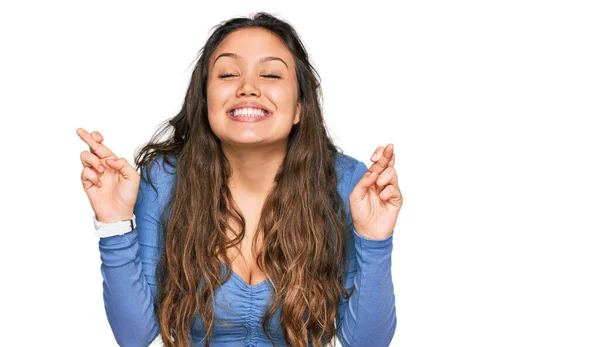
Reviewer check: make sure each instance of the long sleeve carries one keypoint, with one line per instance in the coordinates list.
(129, 266)
(368, 317)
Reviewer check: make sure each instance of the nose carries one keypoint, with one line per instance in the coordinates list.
(248, 87)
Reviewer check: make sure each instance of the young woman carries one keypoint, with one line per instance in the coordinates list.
(247, 226)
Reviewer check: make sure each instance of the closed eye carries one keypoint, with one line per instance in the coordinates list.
(225, 75)
(272, 76)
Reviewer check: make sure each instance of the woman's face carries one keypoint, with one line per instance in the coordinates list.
(252, 89)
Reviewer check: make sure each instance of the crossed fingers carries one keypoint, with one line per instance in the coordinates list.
(97, 153)
(94, 141)
(383, 166)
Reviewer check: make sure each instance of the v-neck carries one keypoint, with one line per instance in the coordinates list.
(241, 281)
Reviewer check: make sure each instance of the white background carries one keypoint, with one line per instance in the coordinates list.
(492, 107)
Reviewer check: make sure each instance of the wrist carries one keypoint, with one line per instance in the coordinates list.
(375, 236)
(115, 228)
(114, 218)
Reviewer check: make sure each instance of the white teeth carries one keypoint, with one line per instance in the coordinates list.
(249, 112)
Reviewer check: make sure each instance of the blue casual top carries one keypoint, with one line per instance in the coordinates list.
(367, 318)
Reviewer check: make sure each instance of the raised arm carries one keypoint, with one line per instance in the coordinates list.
(368, 318)
(129, 265)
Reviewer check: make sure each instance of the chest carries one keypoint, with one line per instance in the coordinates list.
(243, 255)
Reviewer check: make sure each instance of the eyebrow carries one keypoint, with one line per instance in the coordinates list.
(261, 60)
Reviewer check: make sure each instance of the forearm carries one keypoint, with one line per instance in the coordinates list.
(128, 296)
(369, 317)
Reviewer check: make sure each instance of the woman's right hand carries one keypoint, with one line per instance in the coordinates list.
(110, 183)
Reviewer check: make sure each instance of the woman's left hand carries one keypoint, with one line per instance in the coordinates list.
(376, 200)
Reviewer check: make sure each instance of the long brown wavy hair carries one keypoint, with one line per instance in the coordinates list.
(303, 221)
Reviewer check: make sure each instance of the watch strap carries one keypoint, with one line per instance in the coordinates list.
(112, 229)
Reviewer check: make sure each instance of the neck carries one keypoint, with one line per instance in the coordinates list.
(254, 168)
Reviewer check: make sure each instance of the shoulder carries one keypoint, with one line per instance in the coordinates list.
(160, 169)
(349, 171)
(158, 177)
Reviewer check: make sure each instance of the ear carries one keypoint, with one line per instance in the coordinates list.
(297, 116)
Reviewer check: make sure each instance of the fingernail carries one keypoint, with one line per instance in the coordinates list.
(100, 168)
(375, 156)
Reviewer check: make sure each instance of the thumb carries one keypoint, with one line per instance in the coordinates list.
(122, 166)
(362, 187)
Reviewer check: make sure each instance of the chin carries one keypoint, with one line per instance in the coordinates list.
(245, 141)
(254, 142)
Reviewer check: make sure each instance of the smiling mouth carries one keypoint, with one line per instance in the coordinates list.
(249, 115)
(249, 112)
